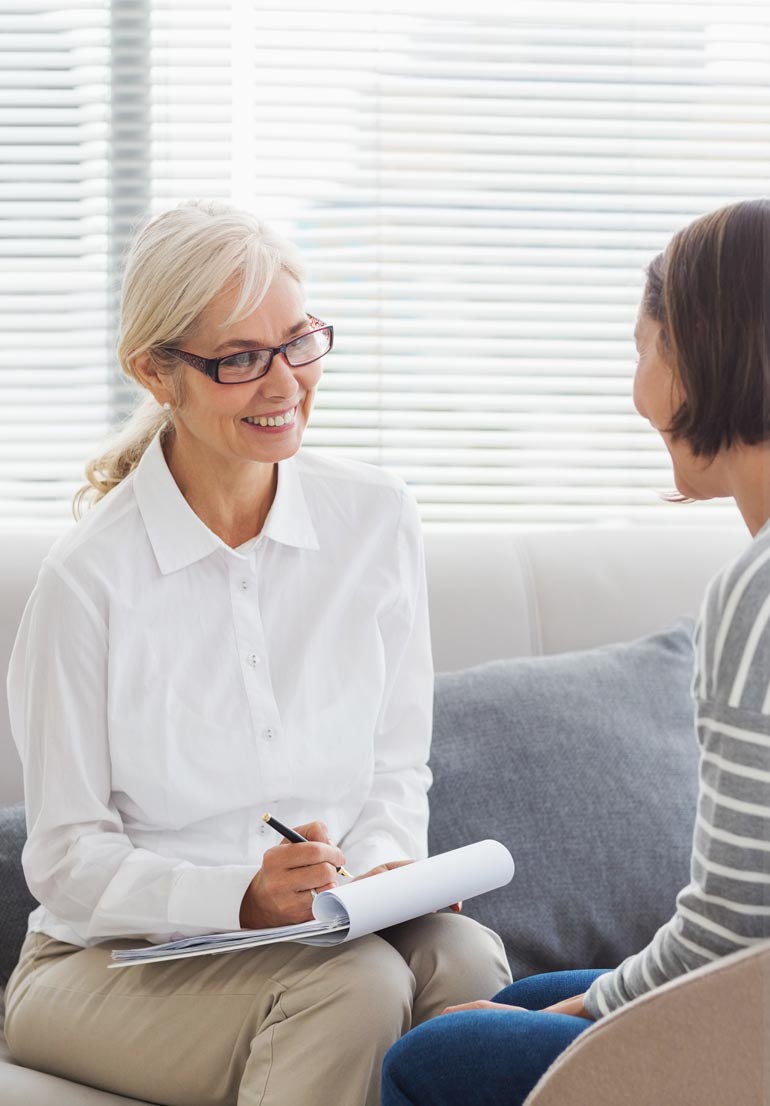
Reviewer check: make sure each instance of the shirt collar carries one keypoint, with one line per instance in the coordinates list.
(180, 538)
(289, 521)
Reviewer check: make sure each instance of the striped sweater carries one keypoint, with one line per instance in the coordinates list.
(726, 905)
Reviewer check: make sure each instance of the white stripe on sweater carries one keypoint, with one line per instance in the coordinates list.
(648, 980)
(759, 627)
(719, 834)
(732, 604)
(654, 950)
(759, 810)
(745, 875)
(600, 999)
(729, 904)
(713, 927)
(707, 954)
(754, 737)
(735, 768)
(702, 665)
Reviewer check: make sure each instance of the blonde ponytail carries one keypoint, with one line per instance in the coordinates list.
(175, 268)
(122, 453)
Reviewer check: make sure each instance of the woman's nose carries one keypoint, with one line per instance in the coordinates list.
(280, 380)
(287, 380)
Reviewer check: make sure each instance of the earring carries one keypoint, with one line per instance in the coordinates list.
(166, 406)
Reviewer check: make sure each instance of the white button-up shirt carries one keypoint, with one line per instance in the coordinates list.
(165, 690)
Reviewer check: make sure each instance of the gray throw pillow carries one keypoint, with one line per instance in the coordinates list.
(585, 766)
(15, 900)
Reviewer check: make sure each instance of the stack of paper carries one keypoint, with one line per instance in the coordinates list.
(361, 907)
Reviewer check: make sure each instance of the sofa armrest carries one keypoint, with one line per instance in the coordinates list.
(701, 1039)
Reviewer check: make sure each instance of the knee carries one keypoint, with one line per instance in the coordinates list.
(463, 938)
(472, 935)
(375, 978)
(395, 1075)
(484, 954)
(486, 942)
(415, 1068)
(473, 955)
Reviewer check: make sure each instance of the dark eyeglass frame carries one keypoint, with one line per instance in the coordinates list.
(210, 365)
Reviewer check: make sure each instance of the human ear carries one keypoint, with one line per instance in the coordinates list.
(145, 371)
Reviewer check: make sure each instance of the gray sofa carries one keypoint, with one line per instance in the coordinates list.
(545, 735)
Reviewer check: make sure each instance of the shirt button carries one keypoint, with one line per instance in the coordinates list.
(245, 585)
(268, 735)
(253, 659)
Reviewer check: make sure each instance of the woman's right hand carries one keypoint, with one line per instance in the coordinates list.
(280, 893)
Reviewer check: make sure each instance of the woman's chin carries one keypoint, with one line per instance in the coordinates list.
(701, 485)
(686, 489)
(695, 489)
(271, 443)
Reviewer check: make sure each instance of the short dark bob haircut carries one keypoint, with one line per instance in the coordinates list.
(710, 293)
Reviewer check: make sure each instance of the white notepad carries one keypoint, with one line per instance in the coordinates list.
(361, 907)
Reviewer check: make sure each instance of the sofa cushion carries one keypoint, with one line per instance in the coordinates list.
(15, 900)
(585, 766)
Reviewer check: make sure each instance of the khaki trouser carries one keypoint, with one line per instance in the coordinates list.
(284, 1025)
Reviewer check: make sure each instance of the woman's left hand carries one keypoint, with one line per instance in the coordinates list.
(383, 868)
(480, 1004)
(573, 1006)
(456, 906)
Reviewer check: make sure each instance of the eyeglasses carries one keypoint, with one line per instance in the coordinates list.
(251, 364)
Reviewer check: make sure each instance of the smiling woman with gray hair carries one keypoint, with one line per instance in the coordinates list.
(235, 626)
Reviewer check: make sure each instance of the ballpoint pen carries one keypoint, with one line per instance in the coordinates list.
(294, 837)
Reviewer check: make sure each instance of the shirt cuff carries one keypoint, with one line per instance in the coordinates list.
(209, 898)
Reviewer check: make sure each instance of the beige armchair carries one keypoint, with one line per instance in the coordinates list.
(701, 1040)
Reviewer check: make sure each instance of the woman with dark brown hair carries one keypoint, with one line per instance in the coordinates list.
(703, 382)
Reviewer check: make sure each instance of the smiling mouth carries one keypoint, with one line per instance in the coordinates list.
(287, 418)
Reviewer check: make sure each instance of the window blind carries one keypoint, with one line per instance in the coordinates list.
(476, 193)
(54, 172)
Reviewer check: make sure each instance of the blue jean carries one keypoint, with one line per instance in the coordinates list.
(486, 1057)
